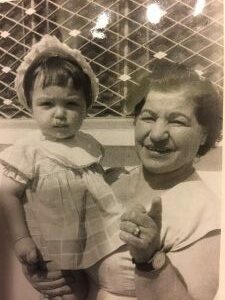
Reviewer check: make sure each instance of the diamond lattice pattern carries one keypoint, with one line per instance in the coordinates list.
(116, 38)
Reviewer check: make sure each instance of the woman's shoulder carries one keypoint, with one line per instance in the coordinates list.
(190, 211)
(195, 192)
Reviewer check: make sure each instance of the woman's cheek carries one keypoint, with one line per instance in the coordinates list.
(141, 131)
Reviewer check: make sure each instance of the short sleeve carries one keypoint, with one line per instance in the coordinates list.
(17, 162)
(189, 212)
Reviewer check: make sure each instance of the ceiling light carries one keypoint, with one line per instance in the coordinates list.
(199, 6)
(154, 13)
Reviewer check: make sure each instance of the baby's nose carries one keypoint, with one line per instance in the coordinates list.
(60, 112)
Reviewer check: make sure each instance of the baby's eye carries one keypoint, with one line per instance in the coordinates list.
(46, 104)
(72, 104)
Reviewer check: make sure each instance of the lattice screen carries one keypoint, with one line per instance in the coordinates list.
(129, 42)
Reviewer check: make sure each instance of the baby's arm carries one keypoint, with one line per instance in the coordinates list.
(11, 193)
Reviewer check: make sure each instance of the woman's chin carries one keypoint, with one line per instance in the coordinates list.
(157, 162)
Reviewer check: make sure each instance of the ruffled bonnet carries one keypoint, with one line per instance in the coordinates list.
(50, 46)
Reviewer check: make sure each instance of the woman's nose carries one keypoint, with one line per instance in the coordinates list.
(60, 112)
(159, 131)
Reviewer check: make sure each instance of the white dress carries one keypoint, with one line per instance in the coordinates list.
(71, 212)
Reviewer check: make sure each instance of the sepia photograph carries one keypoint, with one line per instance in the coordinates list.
(111, 117)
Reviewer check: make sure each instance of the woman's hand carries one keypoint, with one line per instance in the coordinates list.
(49, 283)
(26, 251)
(143, 246)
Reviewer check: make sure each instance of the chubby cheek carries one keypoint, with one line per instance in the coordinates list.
(76, 118)
(75, 124)
(43, 119)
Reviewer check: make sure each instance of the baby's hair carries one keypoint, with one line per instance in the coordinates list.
(166, 76)
(58, 71)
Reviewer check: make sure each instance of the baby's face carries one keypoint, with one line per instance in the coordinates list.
(58, 111)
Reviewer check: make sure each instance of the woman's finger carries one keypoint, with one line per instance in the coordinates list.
(43, 275)
(137, 208)
(156, 210)
(140, 219)
(46, 285)
(133, 216)
(146, 234)
(131, 240)
(128, 226)
(65, 290)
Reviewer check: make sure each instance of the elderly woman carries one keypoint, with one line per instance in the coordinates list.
(171, 225)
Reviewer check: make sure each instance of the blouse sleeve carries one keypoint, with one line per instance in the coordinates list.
(189, 212)
(17, 162)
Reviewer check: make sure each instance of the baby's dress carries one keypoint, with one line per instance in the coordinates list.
(71, 212)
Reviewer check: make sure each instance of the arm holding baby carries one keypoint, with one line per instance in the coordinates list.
(12, 193)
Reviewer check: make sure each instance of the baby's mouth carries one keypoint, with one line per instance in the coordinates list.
(60, 125)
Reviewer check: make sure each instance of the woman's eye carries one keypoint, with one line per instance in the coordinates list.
(178, 122)
(148, 119)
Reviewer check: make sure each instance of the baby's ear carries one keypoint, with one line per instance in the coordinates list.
(84, 111)
(203, 137)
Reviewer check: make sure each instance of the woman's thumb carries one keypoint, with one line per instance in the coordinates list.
(155, 211)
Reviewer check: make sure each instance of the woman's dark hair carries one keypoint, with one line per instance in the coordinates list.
(57, 71)
(166, 76)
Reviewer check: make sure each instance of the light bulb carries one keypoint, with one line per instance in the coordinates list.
(199, 6)
(154, 13)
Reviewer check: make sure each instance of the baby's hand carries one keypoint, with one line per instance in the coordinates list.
(26, 251)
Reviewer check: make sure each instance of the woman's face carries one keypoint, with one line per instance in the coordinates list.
(58, 111)
(167, 133)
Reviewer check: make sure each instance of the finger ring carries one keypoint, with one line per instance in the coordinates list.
(137, 231)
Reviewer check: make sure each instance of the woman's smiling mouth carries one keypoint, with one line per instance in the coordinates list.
(158, 150)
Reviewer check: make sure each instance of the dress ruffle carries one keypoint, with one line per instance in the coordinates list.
(80, 152)
(13, 173)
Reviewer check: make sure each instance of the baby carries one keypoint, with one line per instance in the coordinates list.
(58, 208)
